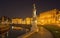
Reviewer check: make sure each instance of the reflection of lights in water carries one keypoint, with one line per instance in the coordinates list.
(7, 34)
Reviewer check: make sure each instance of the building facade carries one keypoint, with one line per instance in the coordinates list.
(48, 17)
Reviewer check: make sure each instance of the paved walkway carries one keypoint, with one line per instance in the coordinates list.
(42, 33)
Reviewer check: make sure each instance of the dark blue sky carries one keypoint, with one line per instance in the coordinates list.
(23, 8)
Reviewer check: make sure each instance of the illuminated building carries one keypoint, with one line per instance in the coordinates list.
(17, 21)
(28, 20)
(58, 18)
(47, 17)
(23, 22)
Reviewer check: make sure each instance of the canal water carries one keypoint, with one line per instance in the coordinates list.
(13, 33)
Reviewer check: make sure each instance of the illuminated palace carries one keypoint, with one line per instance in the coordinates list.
(47, 17)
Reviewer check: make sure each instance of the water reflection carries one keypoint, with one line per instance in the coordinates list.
(5, 35)
(4, 28)
(10, 33)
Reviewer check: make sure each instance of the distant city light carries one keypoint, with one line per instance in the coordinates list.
(47, 17)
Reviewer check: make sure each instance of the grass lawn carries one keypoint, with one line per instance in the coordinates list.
(54, 29)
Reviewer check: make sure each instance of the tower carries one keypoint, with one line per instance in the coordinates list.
(34, 21)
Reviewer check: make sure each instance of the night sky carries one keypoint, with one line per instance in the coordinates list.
(23, 8)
